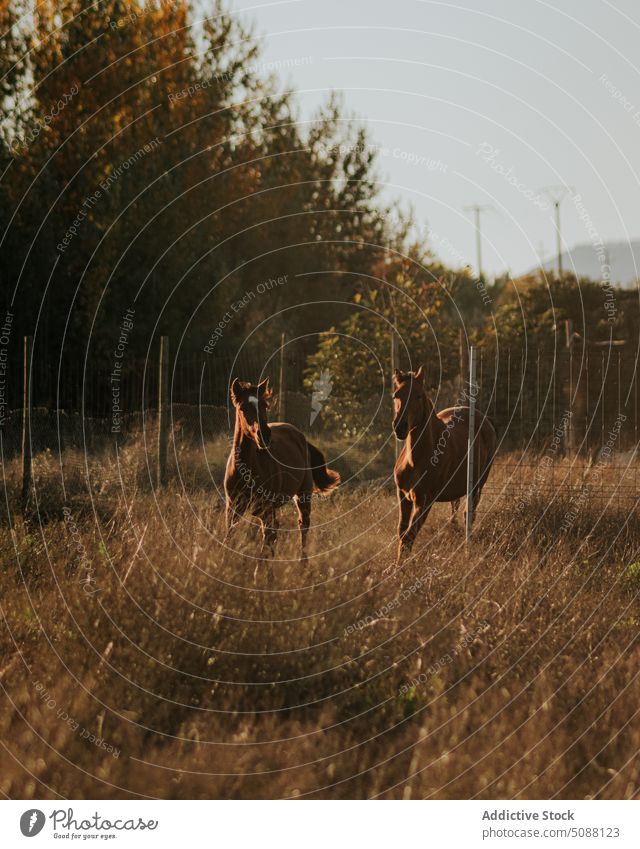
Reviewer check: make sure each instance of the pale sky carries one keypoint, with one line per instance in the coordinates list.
(480, 101)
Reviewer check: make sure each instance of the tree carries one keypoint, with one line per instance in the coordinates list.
(407, 296)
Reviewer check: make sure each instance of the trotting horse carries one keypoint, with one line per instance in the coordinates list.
(432, 465)
(270, 464)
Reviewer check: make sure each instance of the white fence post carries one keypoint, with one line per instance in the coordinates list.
(472, 428)
(394, 366)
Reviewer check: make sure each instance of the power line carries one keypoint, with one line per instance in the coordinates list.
(556, 195)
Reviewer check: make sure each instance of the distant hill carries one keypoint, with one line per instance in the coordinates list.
(624, 259)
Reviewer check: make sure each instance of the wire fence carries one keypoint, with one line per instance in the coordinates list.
(567, 422)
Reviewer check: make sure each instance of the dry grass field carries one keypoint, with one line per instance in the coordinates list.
(139, 658)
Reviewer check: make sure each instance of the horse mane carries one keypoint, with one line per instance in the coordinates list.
(429, 406)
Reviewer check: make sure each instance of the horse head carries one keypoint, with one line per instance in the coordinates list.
(251, 403)
(408, 401)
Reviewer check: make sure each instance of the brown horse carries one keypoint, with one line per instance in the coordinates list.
(270, 464)
(432, 465)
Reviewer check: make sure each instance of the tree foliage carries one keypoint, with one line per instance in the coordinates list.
(149, 165)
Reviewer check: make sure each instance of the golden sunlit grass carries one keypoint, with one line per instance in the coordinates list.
(140, 657)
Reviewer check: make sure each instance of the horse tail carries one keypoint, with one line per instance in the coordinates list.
(494, 447)
(324, 479)
(490, 421)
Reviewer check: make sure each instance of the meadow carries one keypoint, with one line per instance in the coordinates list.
(140, 657)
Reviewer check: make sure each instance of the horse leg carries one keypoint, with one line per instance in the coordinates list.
(406, 509)
(303, 503)
(232, 514)
(476, 501)
(269, 523)
(418, 518)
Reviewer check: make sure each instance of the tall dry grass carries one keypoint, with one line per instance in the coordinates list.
(140, 657)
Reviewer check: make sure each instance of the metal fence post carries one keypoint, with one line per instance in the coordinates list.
(163, 411)
(26, 422)
(282, 389)
(470, 445)
(462, 360)
(568, 330)
(394, 365)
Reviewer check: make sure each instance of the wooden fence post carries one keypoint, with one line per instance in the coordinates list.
(282, 389)
(163, 411)
(26, 422)
(470, 444)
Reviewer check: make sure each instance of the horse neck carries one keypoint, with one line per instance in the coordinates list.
(423, 427)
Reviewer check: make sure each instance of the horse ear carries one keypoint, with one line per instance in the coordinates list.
(235, 390)
(419, 375)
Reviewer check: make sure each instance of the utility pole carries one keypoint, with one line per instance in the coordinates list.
(556, 195)
(477, 210)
